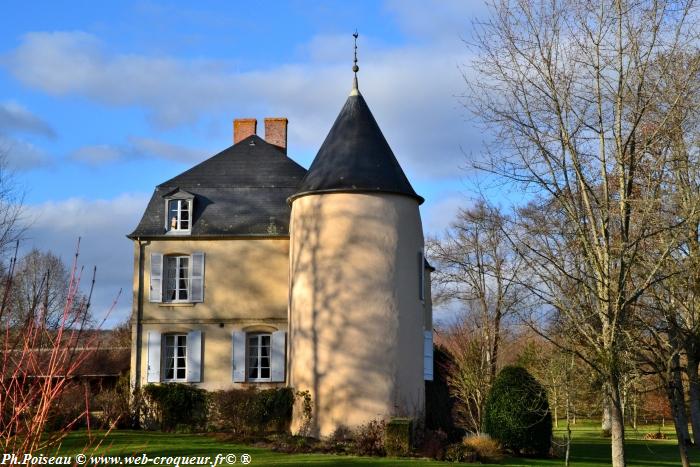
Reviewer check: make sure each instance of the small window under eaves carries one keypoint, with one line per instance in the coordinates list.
(179, 206)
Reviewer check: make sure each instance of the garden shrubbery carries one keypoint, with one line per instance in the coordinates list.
(248, 411)
(182, 407)
(368, 440)
(114, 405)
(517, 413)
(177, 407)
(487, 449)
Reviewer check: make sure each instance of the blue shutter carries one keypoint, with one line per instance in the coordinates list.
(153, 343)
(156, 294)
(428, 355)
(194, 356)
(278, 361)
(238, 357)
(197, 277)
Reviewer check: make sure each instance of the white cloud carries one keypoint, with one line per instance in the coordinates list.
(439, 214)
(99, 154)
(160, 149)
(102, 226)
(14, 117)
(412, 90)
(446, 20)
(136, 147)
(21, 155)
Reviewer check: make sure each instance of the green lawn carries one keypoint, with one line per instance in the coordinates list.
(589, 449)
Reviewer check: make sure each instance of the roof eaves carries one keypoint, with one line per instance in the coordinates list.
(295, 196)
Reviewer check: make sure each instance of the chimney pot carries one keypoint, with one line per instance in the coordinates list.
(244, 127)
(276, 132)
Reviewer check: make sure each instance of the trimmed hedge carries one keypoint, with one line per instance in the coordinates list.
(247, 411)
(397, 441)
(177, 407)
(517, 412)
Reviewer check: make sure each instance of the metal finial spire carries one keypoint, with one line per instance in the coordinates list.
(355, 90)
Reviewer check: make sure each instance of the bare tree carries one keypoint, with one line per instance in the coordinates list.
(476, 270)
(41, 283)
(567, 85)
(38, 364)
(11, 199)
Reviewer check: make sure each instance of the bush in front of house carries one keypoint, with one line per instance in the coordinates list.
(458, 452)
(517, 413)
(487, 449)
(397, 438)
(69, 411)
(177, 407)
(368, 440)
(251, 411)
(114, 405)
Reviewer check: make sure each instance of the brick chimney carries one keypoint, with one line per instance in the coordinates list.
(276, 132)
(244, 127)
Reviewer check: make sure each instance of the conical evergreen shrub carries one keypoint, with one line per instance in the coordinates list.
(517, 413)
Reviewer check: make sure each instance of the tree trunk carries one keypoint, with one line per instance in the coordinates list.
(694, 393)
(568, 428)
(606, 422)
(617, 424)
(677, 400)
(680, 421)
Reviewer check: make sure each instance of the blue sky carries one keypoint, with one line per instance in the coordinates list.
(101, 101)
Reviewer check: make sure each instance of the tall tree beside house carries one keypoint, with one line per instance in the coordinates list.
(567, 86)
(476, 272)
(11, 197)
(41, 284)
(676, 301)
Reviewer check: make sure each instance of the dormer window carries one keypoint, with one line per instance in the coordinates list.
(178, 212)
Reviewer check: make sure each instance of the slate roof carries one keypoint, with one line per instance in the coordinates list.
(355, 157)
(241, 191)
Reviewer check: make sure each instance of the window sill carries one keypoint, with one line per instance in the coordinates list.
(178, 232)
(176, 304)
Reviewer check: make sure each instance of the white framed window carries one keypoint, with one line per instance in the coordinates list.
(177, 278)
(178, 215)
(258, 351)
(259, 356)
(175, 357)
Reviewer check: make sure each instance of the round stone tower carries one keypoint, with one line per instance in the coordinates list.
(356, 308)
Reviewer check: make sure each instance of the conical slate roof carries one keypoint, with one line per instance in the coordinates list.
(355, 157)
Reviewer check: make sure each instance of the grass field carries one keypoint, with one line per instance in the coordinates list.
(588, 449)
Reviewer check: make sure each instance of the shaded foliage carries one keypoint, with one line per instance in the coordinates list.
(517, 412)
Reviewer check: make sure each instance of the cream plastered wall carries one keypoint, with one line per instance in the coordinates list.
(245, 288)
(217, 364)
(356, 318)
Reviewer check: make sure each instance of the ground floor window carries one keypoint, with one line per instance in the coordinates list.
(176, 357)
(259, 357)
